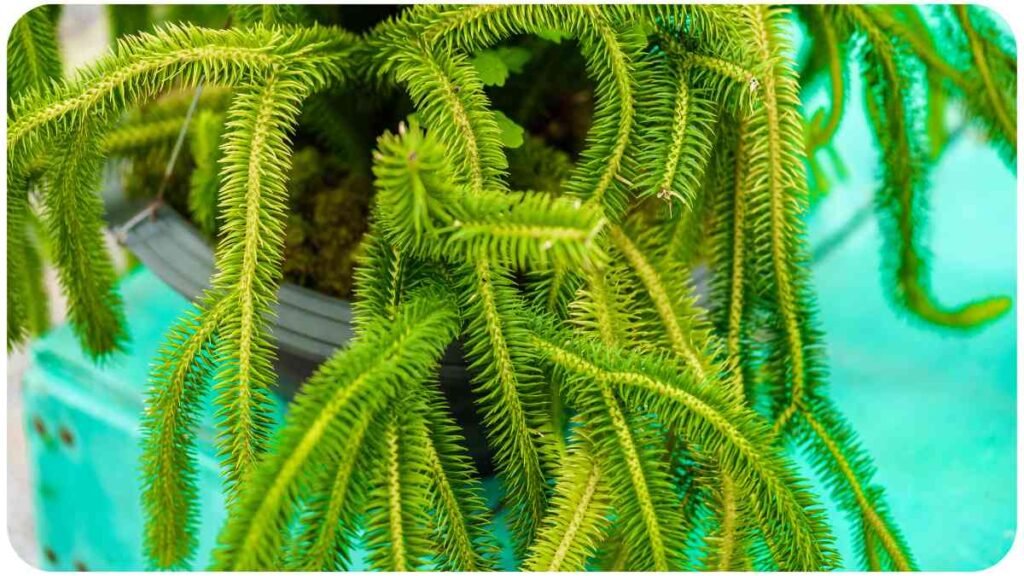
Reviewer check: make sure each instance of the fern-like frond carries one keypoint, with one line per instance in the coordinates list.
(384, 275)
(174, 56)
(823, 126)
(449, 98)
(34, 249)
(414, 187)
(254, 205)
(777, 196)
(460, 517)
(961, 77)
(74, 223)
(702, 413)
(605, 306)
(397, 533)
(900, 200)
(723, 523)
(836, 454)
(676, 133)
(727, 241)
(422, 212)
(552, 290)
(344, 396)
(668, 290)
(939, 92)
(632, 452)
(329, 521)
(510, 402)
(604, 174)
(610, 47)
(579, 515)
(180, 380)
(526, 230)
(996, 91)
(33, 59)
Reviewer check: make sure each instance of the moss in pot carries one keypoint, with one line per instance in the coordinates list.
(626, 419)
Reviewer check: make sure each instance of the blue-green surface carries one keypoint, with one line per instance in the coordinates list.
(935, 409)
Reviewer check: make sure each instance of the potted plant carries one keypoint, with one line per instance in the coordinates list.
(632, 426)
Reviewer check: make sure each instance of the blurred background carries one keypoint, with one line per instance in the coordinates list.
(936, 409)
(83, 34)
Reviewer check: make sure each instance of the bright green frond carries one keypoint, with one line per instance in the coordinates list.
(511, 401)
(174, 56)
(343, 398)
(74, 223)
(385, 274)
(422, 212)
(329, 520)
(414, 187)
(460, 517)
(253, 205)
(526, 230)
(838, 457)
(676, 132)
(33, 59)
(727, 240)
(900, 201)
(579, 516)
(397, 533)
(703, 414)
(604, 174)
(180, 380)
(450, 100)
(992, 74)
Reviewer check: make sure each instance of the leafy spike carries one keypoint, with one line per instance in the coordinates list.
(182, 372)
(802, 539)
(397, 534)
(253, 203)
(460, 515)
(512, 403)
(900, 200)
(345, 395)
(578, 519)
(33, 59)
(74, 223)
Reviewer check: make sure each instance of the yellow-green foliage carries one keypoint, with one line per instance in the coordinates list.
(632, 425)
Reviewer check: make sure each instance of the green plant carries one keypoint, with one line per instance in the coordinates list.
(632, 426)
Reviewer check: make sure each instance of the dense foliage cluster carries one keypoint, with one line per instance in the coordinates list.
(634, 423)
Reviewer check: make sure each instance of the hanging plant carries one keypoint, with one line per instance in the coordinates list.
(632, 422)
